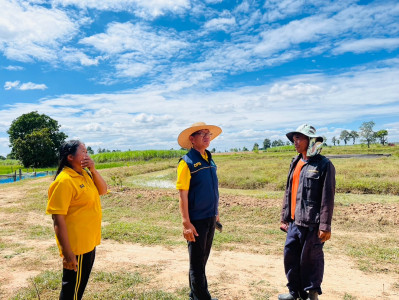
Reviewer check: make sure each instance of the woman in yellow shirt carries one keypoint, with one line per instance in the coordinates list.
(74, 203)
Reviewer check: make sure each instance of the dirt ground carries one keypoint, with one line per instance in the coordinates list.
(231, 274)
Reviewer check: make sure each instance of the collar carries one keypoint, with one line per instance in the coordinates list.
(71, 172)
(209, 155)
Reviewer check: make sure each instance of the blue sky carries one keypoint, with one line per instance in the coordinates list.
(132, 74)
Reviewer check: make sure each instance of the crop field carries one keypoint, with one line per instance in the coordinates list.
(143, 254)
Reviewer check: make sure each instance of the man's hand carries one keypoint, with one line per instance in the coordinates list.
(189, 232)
(284, 226)
(324, 235)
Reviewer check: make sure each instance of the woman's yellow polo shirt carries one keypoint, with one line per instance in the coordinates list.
(76, 196)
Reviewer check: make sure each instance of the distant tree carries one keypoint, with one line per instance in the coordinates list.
(213, 150)
(345, 136)
(255, 147)
(35, 139)
(277, 143)
(382, 135)
(90, 150)
(266, 144)
(338, 142)
(2, 157)
(367, 133)
(324, 141)
(10, 156)
(333, 140)
(244, 148)
(288, 143)
(353, 135)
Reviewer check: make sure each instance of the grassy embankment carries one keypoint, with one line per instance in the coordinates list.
(364, 226)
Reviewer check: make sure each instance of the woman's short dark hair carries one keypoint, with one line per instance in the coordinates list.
(68, 147)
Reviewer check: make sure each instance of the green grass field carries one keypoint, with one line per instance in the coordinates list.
(251, 188)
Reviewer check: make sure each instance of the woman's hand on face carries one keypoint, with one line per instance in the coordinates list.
(87, 162)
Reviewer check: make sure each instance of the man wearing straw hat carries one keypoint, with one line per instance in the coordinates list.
(197, 183)
(306, 214)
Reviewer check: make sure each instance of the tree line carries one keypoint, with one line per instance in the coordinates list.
(35, 139)
(366, 133)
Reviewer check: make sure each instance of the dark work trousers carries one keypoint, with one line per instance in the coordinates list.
(199, 252)
(74, 283)
(303, 260)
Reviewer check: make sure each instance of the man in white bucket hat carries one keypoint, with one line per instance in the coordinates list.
(197, 183)
(306, 214)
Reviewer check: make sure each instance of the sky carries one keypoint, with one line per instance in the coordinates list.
(132, 74)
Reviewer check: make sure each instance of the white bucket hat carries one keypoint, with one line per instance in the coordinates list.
(307, 130)
(315, 141)
(184, 136)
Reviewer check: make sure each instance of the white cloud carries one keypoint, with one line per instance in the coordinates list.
(147, 9)
(136, 49)
(30, 32)
(224, 24)
(32, 86)
(14, 68)
(154, 115)
(367, 45)
(139, 39)
(73, 56)
(280, 9)
(24, 86)
(11, 85)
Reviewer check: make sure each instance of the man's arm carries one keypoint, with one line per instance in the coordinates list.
(189, 231)
(327, 203)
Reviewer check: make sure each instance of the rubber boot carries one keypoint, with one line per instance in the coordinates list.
(286, 297)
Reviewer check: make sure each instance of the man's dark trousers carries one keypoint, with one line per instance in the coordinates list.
(199, 252)
(303, 259)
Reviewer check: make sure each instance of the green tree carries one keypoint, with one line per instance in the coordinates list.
(353, 135)
(277, 143)
(382, 135)
(345, 136)
(324, 141)
(244, 148)
(35, 139)
(333, 140)
(255, 147)
(367, 133)
(266, 144)
(90, 150)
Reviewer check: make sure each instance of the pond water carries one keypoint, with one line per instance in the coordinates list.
(11, 179)
(157, 179)
(157, 183)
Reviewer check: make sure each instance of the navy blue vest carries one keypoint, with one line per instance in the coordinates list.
(203, 194)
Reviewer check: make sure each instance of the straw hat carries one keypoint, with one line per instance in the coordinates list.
(184, 136)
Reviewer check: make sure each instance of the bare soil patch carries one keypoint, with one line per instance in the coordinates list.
(231, 274)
